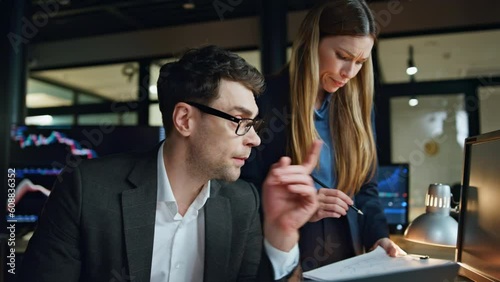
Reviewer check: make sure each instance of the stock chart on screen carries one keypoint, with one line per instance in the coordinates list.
(39, 153)
(393, 185)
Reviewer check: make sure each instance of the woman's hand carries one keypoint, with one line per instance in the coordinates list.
(332, 203)
(391, 248)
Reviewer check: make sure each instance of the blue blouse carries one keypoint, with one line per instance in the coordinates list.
(326, 159)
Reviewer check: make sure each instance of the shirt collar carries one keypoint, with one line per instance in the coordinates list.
(322, 112)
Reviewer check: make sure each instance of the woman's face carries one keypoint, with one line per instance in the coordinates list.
(341, 58)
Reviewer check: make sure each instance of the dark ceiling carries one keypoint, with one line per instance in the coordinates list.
(80, 18)
(93, 17)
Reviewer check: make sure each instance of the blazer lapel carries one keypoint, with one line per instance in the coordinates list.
(352, 219)
(139, 210)
(218, 227)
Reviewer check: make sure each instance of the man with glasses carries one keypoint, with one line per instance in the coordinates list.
(178, 212)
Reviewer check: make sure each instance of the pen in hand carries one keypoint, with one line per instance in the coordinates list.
(324, 185)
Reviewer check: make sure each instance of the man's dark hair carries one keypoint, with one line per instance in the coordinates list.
(196, 78)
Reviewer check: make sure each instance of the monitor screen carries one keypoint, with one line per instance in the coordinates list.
(479, 226)
(393, 185)
(38, 154)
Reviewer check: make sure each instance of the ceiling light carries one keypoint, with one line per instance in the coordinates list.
(188, 5)
(38, 120)
(41, 100)
(412, 69)
(413, 101)
(153, 89)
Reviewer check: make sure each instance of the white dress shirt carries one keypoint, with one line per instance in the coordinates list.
(179, 241)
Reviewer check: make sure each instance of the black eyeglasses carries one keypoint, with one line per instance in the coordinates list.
(244, 124)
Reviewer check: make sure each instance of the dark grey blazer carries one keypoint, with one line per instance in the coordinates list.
(98, 225)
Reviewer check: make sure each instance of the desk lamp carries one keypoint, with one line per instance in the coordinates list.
(435, 226)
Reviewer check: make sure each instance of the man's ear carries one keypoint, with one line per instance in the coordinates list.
(182, 118)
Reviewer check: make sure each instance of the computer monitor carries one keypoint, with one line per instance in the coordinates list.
(393, 185)
(39, 153)
(478, 247)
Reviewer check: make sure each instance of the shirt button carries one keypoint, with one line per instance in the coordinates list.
(177, 266)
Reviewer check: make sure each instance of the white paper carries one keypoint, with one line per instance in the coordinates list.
(374, 263)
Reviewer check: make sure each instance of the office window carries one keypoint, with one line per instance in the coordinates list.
(84, 98)
(154, 73)
(128, 118)
(489, 104)
(441, 57)
(155, 115)
(62, 120)
(92, 85)
(114, 82)
(430, 138)
(252, 57)
(42, 94)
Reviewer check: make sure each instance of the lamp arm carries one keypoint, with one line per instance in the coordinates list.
(456, 203)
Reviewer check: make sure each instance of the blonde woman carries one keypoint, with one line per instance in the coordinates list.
(326, 92)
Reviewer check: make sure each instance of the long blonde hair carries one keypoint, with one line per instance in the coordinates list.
(350, 107)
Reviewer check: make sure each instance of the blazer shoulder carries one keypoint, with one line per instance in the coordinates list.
(108, 170)
(110, 163)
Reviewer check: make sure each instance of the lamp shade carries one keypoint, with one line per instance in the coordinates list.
(436, 226)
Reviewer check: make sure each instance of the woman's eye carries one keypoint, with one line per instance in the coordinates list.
(343, 58)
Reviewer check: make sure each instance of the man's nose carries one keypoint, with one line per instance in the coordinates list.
(252, 138)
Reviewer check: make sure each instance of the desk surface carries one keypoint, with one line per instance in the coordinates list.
(423, 249)
(431, 251)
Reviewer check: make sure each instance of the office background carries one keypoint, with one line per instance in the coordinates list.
(68, 62)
